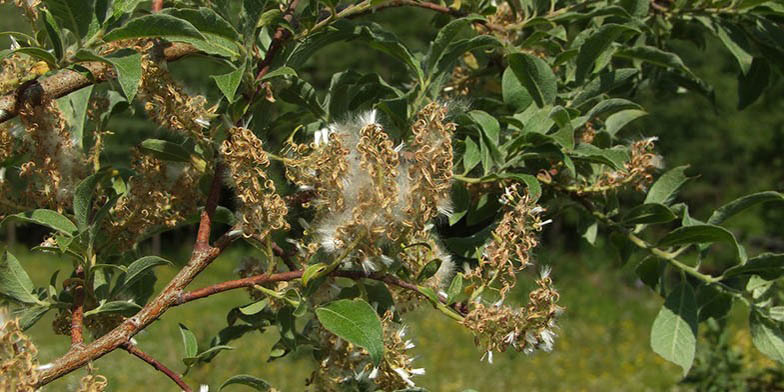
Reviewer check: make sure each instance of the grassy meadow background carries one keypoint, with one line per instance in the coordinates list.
(603, 342)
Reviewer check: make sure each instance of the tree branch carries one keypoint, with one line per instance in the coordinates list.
(133, 350)
(157, 5)
(77, 310)
(67, 81)
(205, 224)
(280, 36)
(201, 257)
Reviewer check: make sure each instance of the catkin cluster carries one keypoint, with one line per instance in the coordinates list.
(370, 197)
(509, 250)
(261, 210)
(497, 327)
(165, 100)
(637, 171)
(56, 164)
(160, 194)
(344, 365)
(18, 360)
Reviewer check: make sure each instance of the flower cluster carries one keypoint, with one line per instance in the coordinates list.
(527, 329)
(344, 364)
(370, 196)
(637, 171)
(56, 164)
(165, 100)
(18, 362)
(512, 241)
(160, 194)
(262, 209)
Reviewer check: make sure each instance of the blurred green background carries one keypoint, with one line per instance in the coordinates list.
(603, 339)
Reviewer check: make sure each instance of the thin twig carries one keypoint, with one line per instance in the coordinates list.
(278, 38)
(77, 310)
(157, 5)
(205, 224)
(133, 350)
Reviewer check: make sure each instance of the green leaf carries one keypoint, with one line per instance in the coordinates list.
(79, 101)
(156, 25)
(455, 289)
(31, 315)
(665, 188)
(536, 76)
(250, 381)
(356, 322)
(34, 52)
(138, 267)
(165, 150)
(128, 64)
(54, 33)
(604, 83)
(255, 307)
(565, 134)
(282, 71)
(121, 7)
(74, 15)
(653, 213)
(752, 84)
(471, 156)
(303, 94)
(14, 281)
(736, 206)
(82, 199)
(312, 271)
(513, 92)
(125, 307)
(655, 56)
(48, 218)
(229, 82)
(429, 270)
(615, 122)
(698, 234)
(712, 302)
(189, 342)
(767, 335)
(735, 40)
(674, 331)
(769, 266)
(595, 45)
(219, 36)
(490, 127)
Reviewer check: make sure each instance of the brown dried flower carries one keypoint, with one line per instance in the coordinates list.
(512, 240)
(527, 329)
(18, 362)
(262, 209)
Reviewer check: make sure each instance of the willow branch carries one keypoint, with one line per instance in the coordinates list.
(157, 5)
(67, 81)
(77, 310)
(201, 257)
(133, 350)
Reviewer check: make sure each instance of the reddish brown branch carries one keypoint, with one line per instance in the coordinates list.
(238, 283)
(200, 259)
(77, 309)
(157, 5)
(205, 224)
(132, 349)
